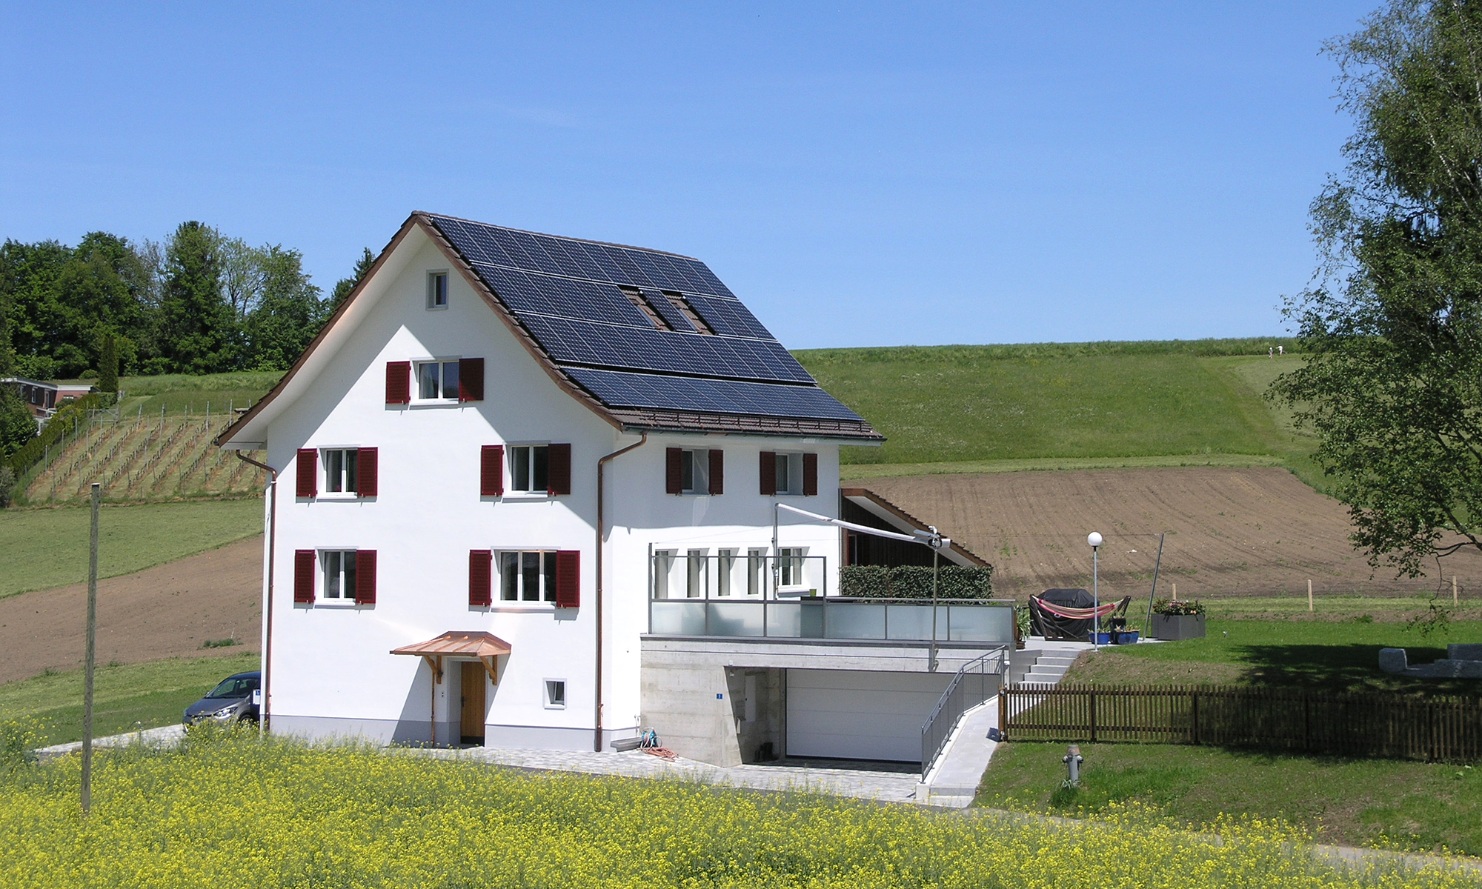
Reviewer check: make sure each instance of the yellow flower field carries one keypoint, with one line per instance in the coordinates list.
(230, 809)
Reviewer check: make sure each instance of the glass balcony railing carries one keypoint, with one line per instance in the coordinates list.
(768, 609)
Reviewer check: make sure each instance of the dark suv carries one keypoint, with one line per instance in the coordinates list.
(231, 701)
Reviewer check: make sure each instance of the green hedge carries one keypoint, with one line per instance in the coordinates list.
(67, 418)
(914, 582)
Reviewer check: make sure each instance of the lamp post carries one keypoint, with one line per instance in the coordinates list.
(1094, 539)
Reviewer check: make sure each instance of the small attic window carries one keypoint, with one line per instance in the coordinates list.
(683, 306)
(640, 300)
(437, 290)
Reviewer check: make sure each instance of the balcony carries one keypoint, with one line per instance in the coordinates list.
(695, 596)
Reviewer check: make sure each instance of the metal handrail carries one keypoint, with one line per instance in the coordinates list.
(938, 726)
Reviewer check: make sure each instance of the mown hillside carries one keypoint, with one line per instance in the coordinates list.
(1055, 404)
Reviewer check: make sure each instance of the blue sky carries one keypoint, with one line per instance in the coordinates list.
(859, 174)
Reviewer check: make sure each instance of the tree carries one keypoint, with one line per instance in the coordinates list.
(17, 426)
(108, 364)
(1392, 326)
(343, 287)
(197, 328)
(287, 314)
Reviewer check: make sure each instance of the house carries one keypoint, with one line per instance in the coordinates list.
(531, 490)
(43, 398)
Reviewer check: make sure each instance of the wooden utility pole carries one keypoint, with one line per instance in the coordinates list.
(90, 659)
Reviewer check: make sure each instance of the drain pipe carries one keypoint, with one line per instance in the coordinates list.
(267, 610)
(601, 531)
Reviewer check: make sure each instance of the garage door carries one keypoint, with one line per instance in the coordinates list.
(850, 714)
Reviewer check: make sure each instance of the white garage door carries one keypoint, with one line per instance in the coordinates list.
(851, 714)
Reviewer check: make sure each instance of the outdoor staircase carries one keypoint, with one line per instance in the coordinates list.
(1047, 668)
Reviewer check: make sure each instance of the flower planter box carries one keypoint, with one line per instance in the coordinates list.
(1173, 627)
(1125, 637)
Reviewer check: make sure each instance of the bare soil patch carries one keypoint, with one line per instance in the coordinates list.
(1230, 532)
(170, 610)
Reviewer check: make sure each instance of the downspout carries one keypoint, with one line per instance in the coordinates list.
(601, 532)
(267, 610)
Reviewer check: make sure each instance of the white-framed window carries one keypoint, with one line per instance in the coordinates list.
(437, 290)
(756, 571)
(437, 380)
(339, 574)
(529, 468)
(789, 473)
(555, 694)
(341, 470)
(790, 565)
(663, 566)
(725, 568)
(695, 573)
(527, 575)
(694, 472)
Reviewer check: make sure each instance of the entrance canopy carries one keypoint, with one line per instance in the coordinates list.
(459, 645)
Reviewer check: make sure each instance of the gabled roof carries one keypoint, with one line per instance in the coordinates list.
(892, 517)
(648, 339)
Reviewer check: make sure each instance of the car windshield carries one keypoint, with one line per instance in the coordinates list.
(235, 687)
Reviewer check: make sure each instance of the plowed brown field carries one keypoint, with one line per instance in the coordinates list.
(1229, 532)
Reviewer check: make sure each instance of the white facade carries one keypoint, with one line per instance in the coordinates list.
(330, 671)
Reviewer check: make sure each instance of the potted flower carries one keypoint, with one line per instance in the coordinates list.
(1175, 619)
(1124, 636)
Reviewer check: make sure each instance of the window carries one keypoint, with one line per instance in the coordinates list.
(437, 290)
(789, 473)
(694, 471)
(540, 469)
(529, 467)
(342, 575)
(790, 565)
(555, 694)
(725, 565)
(339, 574)
(340, 465)
(756, 572)
(695, 565)
(345, 471)
(527, 576)
(437, 380)
(663, 566)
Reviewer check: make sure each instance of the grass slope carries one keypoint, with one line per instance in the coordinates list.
(49, 547)
(125, 696)
(1046, 403)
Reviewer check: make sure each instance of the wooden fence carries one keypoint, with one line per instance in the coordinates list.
(1388, 726)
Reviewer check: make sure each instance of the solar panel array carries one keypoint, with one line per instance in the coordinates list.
(568, 294)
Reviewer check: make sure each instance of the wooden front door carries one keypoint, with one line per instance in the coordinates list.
(472, 711)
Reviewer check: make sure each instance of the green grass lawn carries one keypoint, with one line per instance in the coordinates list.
(49, 547)
(956, 404)
(125, 697)
(1410, 805)
(181, 393)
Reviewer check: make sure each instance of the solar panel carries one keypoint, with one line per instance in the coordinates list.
(654, 391)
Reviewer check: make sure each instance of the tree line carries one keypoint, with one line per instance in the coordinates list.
(199, 302)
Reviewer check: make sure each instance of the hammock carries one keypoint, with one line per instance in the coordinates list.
(1079, 613)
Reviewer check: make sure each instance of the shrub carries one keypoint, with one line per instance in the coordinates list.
(915, 582)
(1178, 606)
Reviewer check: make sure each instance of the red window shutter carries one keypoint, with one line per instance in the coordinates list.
(491, 471)
(810, 475)
(304, 564)
(568, 578)
(480, 577)
(306, 483)
(769, 473)
(673, 470)
(558, 468)
(470, 379)
(717, 471)
(368, 472)
(365, 577)
(398, 382)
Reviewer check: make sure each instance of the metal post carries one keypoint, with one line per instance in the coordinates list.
(931, 664)
(90, 658)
